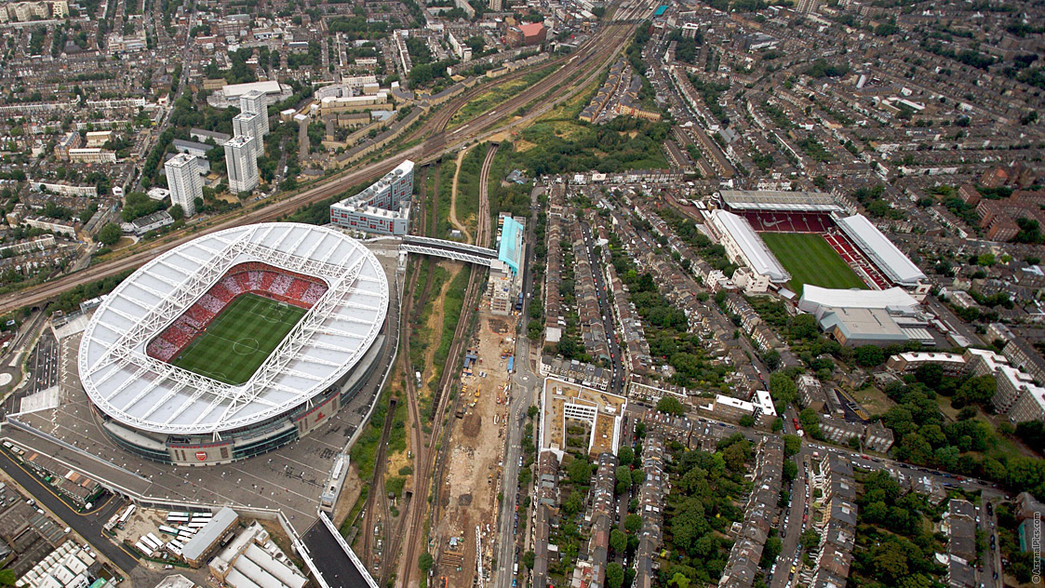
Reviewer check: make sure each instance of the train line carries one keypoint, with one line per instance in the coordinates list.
(604, 44)
(430, 466)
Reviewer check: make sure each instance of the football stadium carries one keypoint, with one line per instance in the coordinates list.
(798, 238)
(235, 343)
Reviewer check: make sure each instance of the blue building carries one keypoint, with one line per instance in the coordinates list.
(510, 248)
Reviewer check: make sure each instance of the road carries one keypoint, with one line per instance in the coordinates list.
(608, 324)
(44, 362)
(88, 526)
(525, 386)
(791, 531)
(986, 522)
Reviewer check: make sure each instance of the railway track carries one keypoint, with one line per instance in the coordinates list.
(426, 223)
(604, 44)
(375, 495)
(600, 49)
(430, 467)
(443, 115)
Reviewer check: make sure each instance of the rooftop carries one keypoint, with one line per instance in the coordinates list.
(896, 266)
(148, 394)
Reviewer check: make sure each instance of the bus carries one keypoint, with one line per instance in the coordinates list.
(127, 514)
(152, 544)
(168, 530)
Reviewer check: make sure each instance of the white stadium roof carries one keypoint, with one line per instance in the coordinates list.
(779, 201)
(148, 394)
(759, 257)
(815, 298)
(893, 263)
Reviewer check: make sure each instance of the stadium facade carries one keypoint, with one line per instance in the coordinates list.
(163, 412)
(742, 215)
(382, 208)
(745, 247)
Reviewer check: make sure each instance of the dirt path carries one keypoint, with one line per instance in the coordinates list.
(453, 199)
(434, 326)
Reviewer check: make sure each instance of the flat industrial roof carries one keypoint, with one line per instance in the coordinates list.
(893, 263)
(209, 535)
(145, 393)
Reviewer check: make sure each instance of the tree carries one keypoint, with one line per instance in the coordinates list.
(869, 356)
(625, 455)
(772, 360)
(579, 471)
(623, 478)
(177, 212)
(618, 541)
(810, 421)
(679, 580)
(978, 390)
(425, 561)
(109, 234)
(632, 523)
(638, 477)
(792, 445)
(528, 558)
(670, 405)
(747, 421)
(1032, 433)
(735, 456)
(1030, 231)
(771, 550)
(804, 326)
(782, 388)
(574, 503)
(809, 539)
(930, 374)
(614, 575)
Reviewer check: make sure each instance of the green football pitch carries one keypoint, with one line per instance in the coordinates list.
(239, 339)
(811, 260)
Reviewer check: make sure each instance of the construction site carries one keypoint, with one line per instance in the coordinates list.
(467, 507)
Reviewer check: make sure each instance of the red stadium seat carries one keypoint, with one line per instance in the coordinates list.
(251, 277)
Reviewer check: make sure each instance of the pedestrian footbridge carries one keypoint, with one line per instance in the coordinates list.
(449, 250)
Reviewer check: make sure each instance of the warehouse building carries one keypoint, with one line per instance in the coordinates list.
(867, 317)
